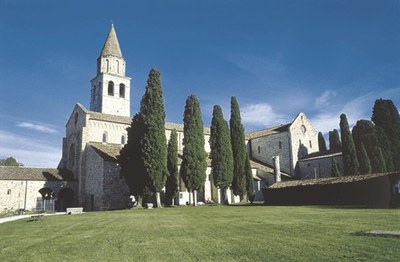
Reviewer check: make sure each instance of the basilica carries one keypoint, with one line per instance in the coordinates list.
(88, 173)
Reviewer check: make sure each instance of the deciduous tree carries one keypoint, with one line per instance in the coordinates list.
(9, 161)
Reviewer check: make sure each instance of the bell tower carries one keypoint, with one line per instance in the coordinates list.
(110, 89)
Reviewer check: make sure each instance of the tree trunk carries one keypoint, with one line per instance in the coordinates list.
(245, 198)
(139, 200)
(194, 197)
(173, 201)
(158, 199)
(224, 196)
(190, 198)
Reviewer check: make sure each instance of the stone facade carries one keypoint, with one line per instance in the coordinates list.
(303, 139)
(319, 166)
(20, 186)
(266, 147)
(290, 142)
(94, 137)
(104, 188)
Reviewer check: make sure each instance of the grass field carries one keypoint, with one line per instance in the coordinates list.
(211, 233)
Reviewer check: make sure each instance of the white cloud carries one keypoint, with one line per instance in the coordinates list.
(32, 153)
(36, 127)
(358, 108)
(324, 99)
(264, 68)
(262, 114)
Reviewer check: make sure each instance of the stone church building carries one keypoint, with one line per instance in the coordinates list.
(95, 136)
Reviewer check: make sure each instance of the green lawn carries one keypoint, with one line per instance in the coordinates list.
(217, 233)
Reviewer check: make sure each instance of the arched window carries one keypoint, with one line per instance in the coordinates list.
(122, 90)
(122, 140)
(280, 145)
(76, 118)
(111, 88)
(117, 66)
(104, 137)
(259, 149)
(107, 65)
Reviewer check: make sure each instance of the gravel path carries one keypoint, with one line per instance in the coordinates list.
(13, 218)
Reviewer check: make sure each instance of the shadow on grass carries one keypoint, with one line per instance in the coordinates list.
(375, 234)
(245, 205)
(344, 207)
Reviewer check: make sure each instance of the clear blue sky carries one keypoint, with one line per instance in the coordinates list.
(277, 57)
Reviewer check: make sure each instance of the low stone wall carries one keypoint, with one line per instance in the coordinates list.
(379, 191)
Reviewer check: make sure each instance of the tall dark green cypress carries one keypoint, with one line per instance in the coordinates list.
(131, 162)
(238, 150)
(194, 163)
(386, 115)
(350, 162)
(335, 172)
(221, 152)
(334, 141)
(154, 144)
(365, 164)
(365, 132)
(321, 142)
(172, 185)
(384, 144)
(249, 180)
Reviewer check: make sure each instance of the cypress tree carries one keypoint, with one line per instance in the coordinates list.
(365, 164)
(321, 142)
(335, 172)
(334, 141)
(365, 132)
(386, 148)
(378, 160)
(131, 162)
(238, 150)
(249, 180)
(194, 163)
(154, 145)
(386, 115)
(350, 162)
(172, 185)
(221, 152)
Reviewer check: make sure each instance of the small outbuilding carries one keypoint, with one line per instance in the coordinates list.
(374, 190)
(35, 189)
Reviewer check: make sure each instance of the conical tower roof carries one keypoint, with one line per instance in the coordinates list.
(111, 46)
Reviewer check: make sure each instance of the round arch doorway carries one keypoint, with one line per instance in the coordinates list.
(65, 199)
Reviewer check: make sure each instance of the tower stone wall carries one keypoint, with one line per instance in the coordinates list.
(110, 89)
(303, 139)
